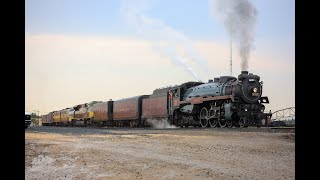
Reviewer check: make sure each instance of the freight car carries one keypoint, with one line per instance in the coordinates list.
(47, 120)
(225, 101)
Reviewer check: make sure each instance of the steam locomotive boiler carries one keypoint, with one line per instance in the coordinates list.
(226, 101)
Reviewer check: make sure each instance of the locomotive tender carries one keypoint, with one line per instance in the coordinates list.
(225, 102)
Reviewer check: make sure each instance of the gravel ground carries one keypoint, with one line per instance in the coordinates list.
(181, 153)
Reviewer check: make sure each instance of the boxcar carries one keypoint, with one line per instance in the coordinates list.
(47, 119)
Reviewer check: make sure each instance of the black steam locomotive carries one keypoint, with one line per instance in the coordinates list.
(223, 102)
(226, 101)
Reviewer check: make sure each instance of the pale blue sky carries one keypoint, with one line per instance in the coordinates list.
(275, 17)
(92, 41)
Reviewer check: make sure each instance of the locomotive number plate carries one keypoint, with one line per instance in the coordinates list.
(255, 94)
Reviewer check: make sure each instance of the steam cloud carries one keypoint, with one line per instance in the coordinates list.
(166, 40)
(239, 18)
(160, 124)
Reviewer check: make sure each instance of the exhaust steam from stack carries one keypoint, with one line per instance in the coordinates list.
(239, 18)
(165, 39)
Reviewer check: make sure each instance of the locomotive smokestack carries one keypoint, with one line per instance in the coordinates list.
(244, 72)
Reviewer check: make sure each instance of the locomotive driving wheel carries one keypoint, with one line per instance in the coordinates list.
(203, 116)
(242, 122)
(229, 123)
(213, 122)
(222, 119)
(222, 122)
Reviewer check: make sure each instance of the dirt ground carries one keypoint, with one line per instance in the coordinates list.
(89, 153)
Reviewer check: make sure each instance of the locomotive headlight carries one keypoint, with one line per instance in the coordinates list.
(255, 90)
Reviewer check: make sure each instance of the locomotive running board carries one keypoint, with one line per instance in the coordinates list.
(199, 100)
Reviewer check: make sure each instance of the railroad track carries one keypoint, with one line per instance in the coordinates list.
(282, 127)
(151, 129)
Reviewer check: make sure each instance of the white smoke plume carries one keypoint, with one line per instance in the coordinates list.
(160, 123)
(166, 40)
(239, 18)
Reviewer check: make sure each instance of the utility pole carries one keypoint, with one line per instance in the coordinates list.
(231, 54)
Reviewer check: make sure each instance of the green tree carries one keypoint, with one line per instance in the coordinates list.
(33, 118)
